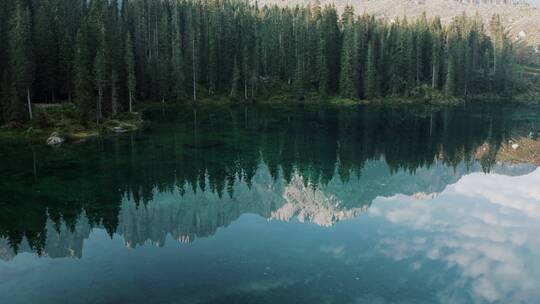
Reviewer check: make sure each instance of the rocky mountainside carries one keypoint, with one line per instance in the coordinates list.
(522, 18)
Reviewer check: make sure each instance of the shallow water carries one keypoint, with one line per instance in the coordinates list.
(275, 204)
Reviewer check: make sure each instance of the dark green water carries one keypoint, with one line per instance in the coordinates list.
(276, 205)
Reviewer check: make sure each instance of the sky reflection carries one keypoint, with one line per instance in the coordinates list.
(485, 226)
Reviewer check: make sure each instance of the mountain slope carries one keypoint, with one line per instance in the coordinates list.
(522, 21)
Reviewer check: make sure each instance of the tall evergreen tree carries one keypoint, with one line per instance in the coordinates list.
(348, 56)
(451, 55)
(235, 80)
(436, 52)
(21, 61)
(371, 71)
(100, 76)
(130, 71)
(83, 82)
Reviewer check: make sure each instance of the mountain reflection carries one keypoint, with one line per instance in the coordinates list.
(187, 177)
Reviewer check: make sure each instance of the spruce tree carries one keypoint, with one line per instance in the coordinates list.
(371, 73)
(299, 84)
(130, 71)
(347, 84)
(100, 73)
(21, 62)
(323, 76)
(46, 36)
(83, 79)
(451, 54)
(235, 80)
(436, 52)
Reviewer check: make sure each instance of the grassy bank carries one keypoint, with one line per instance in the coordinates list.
(63, 119)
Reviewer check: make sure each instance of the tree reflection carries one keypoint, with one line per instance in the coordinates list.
(233, 161)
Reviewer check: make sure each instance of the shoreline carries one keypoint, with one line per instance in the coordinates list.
(63, 118)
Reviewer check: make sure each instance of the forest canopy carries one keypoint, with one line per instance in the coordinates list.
(103, 55)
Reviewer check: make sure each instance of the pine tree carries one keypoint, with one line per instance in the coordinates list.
(332, 46)
(235, 83)
(323, 71)
(371, 76)
(347, 81)
(436, 52)
(130, 71)
(395, 56)
(193, 33)
(450, 85)
(165, 70)
(83, 82)
(65, 64)
(246, 72)
(114, 53)
(501, 53)
(411, 54)
(21, 61)
(299, 80)
(213, 50)
(451, 54)
(100, 76)
(46, 36)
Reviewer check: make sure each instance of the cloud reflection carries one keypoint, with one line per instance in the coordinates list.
(485, 226)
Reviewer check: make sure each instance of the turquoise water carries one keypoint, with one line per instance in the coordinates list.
(267, 204)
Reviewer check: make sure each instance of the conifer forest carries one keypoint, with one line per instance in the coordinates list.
(105, 56)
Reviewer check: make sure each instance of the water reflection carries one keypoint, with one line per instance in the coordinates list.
(485, 226)
(244, 160)
(403, 189)
(188, 213)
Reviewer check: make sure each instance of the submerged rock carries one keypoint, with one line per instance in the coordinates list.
(55, 139)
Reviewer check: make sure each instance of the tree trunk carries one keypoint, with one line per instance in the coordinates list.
(433, 84)
(253, 83)
(245, 89)
(114, 100)
(29, 104)
(494, 57)
(100, 99)
(194, 72)
(130, 102)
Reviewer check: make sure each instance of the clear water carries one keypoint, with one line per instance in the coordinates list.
(274, 204)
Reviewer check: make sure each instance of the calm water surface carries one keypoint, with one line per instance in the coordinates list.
(277, 205)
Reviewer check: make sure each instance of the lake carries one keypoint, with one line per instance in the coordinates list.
(275, 204)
